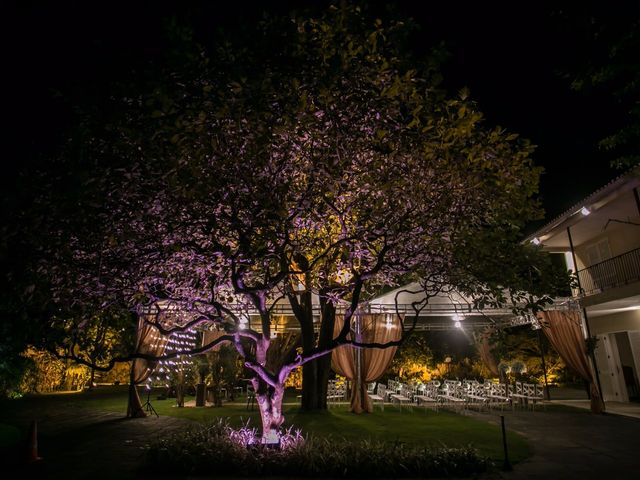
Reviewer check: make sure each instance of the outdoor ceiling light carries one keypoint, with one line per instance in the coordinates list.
(585, 211)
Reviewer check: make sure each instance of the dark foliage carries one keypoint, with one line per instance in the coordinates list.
(217, 448)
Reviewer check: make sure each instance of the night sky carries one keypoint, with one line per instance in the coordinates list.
(509, 54)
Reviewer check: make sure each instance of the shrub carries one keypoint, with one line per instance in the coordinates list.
(46, 373)
(12, 371)
(218, 448)
(119, 374)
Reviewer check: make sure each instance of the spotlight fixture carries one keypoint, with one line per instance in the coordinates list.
(585, 211)
(535, 241)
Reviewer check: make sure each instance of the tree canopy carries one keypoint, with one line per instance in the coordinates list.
(609, 67)
(311, 152)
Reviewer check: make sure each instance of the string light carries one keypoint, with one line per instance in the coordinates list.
(177, 342)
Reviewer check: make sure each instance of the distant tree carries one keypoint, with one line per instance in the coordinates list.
(100, 337)
(25, 301)
(519, 350)
(316, 157)
(414, 360)
(610, 67)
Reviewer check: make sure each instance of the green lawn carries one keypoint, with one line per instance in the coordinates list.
(417, 426)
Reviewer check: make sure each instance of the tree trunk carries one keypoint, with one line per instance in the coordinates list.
(201, 391)
(270, 404)
(315, 378)
(180, 395)
(93, 377)
(217, 396)
(68, 379)
(315, 374)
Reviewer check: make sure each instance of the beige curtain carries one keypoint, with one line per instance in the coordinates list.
(374, 328)
(484, 350)
(564, 331)
(150, 342)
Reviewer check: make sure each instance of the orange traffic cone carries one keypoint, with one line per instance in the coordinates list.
(32, 444)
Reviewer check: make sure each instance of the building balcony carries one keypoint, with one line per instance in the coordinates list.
(612, 273)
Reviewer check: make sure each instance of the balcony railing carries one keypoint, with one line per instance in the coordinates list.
(615, 272)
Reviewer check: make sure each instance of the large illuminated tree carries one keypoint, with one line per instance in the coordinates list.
(317, 154)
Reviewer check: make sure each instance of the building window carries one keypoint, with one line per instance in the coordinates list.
(602, 275)
(598, 252)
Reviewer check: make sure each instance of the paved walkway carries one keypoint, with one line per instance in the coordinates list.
(627, 409)
(574, 445)
(66, 437)
(577, 398)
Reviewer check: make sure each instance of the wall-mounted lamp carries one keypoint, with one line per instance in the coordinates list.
(585, 211)
(535, 241)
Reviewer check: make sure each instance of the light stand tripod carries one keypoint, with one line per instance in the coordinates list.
(147, 405)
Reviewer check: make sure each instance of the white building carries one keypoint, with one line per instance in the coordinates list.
(600, 240)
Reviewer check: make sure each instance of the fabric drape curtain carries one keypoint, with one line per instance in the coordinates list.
(149, 341)
(374, 328)
(564, 331)
(483, 346)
